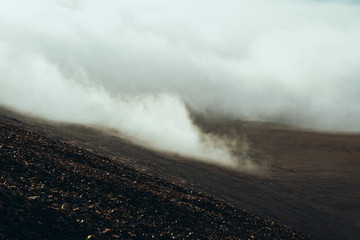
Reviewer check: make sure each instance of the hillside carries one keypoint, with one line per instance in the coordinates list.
(50, 190)
(309, 180)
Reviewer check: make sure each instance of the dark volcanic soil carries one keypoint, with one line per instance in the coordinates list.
(311, 180)
(51, 190)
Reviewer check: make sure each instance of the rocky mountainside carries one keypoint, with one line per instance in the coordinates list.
(52, 190)
(309, 180)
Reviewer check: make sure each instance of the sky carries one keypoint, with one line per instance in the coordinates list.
(135, 65)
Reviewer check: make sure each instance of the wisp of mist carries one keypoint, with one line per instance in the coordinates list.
(134, 65)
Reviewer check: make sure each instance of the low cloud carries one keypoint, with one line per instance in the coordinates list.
(160, 121)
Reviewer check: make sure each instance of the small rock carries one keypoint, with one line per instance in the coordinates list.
(33, 197)
(65, 206)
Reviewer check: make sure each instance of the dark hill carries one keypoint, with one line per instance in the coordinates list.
(310, 180)
(51, 190)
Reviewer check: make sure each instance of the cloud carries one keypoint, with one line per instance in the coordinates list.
(132, 65)
(159, 121)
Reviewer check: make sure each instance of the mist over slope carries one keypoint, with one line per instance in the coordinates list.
(133, 65)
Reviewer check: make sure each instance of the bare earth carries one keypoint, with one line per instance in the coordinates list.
(310, 181)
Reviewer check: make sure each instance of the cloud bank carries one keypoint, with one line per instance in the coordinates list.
(133, 65)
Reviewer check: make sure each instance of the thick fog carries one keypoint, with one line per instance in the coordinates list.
(134, 65)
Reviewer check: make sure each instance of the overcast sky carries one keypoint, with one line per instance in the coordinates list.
(133, 65)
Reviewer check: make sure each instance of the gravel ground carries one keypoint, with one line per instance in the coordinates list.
(52, 190)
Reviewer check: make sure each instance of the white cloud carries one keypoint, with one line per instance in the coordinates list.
(160, 121)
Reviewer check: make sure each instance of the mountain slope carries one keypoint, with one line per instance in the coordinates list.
(50, 190)
(309, 180)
